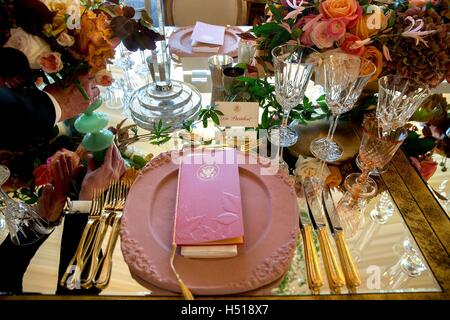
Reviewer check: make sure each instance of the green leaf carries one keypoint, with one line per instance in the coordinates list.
(277, 14)
(241, 66)
(321, 98)
(419, 146)
(205, 122)
(187, 125)
(202, 112)
(215, 118)
(265, 118)
(267, 28)
(296, 32)
(391, 20)
(220, 113)
(412, 135)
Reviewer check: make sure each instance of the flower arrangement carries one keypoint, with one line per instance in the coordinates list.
(55, 42)
(409, 38)
(61, 39)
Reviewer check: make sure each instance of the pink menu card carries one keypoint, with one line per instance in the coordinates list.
(209, 209)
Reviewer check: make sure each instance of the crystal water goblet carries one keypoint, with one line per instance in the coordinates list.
(292, 72)
(398, 99)
(344, 78)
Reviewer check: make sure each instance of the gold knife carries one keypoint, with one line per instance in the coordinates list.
(315, 281)
(313, 187)
(351, 274)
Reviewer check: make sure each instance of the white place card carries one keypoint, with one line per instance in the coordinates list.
(238, 114)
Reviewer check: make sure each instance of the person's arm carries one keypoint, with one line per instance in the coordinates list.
(24, 115)
(14, 259)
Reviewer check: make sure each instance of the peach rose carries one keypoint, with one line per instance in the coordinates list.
(345, 9)
(51, 62)
(103, 78)
(320, 37)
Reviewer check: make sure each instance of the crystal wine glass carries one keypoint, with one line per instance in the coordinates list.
(24, 223)
(374, 152)
(345, 76)
(398, 99)
(292, 74)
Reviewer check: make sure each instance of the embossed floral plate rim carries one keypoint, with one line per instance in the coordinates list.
(265, 256)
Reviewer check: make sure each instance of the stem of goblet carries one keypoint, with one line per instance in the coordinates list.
(333, 127)
(284, 122)
(363, 177)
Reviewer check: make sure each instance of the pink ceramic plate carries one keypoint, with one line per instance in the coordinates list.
(270, 223)
(180, 43)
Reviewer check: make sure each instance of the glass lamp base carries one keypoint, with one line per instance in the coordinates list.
(283, 137)
(326, 150)
(365, 189)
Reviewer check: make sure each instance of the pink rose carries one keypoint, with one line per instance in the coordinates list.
(336, 28)
(103, 78)
(305, 37)
(320, 37)
(50, 62)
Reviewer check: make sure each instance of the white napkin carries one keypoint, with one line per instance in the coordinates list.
(81, 206)
(207, 37)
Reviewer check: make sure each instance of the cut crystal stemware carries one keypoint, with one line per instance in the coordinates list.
(398, 99)
(292, 74)
(345, 76)
(374, 152)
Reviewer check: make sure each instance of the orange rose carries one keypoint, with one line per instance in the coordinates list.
(366, 26)
(376, 57)
(348, 45)
(346, 9)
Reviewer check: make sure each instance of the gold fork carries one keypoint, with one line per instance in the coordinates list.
(103, 272)
(85, 240)
(102, 228)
